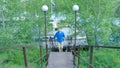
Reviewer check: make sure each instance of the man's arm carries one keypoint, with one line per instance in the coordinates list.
(55, 36)
(63, 36)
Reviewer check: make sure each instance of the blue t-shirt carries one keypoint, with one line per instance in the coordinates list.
(60, 36)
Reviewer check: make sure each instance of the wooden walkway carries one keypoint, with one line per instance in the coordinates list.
(60, 60)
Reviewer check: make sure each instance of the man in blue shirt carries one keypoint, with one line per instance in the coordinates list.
(60, 39)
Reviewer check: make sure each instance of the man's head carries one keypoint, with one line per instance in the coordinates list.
(57, 29)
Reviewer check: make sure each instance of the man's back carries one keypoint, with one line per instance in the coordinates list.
(60, 36)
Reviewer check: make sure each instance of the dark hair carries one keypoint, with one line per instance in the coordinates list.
(56, 29)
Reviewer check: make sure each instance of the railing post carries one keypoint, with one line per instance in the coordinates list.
(40, 56)
(46, 37)
(79, 56)
(25, 57)
(91, 57)
(52, 42)
(75, 39)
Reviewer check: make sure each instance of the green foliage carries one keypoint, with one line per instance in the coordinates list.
(15, 57)
(5, 38)
(95, 14)
(102, 58)
(108, 58)
(22, 21)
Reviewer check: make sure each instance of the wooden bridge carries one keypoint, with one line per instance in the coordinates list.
(60, 60)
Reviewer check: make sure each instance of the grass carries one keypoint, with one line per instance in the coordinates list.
(13, 58)
(102, 58)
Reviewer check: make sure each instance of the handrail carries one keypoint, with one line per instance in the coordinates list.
(17, 46)
(91, 53)
(24, 53)
(113, 47)
(39, 58)
(80, 57)
(12, 47)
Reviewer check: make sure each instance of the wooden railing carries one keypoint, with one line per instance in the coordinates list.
(91, 48)
(25, 54)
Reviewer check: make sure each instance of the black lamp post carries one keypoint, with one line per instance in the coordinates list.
(75, 9)
(44, 9)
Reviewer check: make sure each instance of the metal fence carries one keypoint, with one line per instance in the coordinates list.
(78, 55)
(25, 54)
(91, 49)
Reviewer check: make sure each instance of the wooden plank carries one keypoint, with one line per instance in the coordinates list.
(60, 60)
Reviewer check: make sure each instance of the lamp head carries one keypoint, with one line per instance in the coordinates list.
(44, 8)
(75, 7)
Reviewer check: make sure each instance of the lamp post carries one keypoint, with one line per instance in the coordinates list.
(75, 9)
(44, 9)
